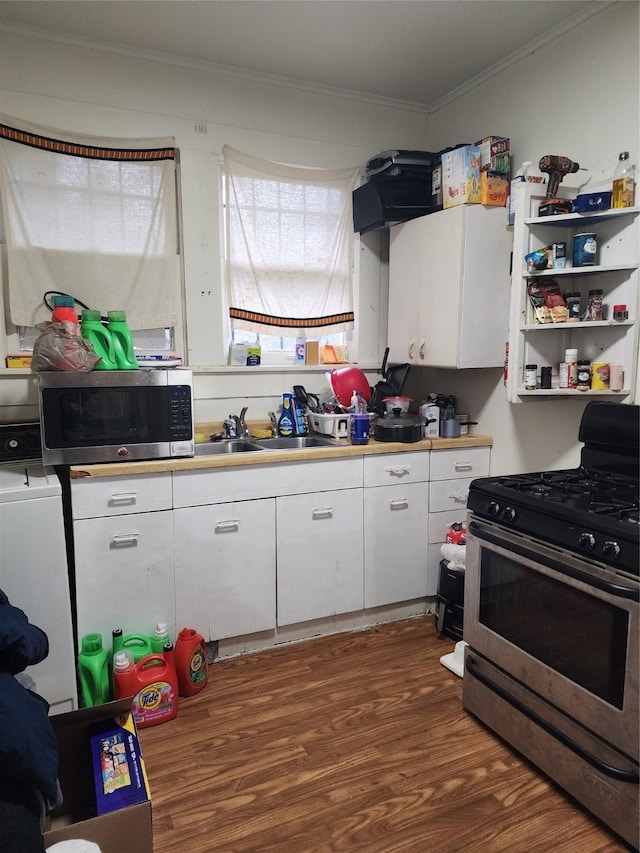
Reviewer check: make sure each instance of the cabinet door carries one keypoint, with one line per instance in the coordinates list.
(124, 573)
(395, 543)
(448, 288)
(225, 563)
(319, 544)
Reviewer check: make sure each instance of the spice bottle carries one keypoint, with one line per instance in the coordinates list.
(584, 375)
(594, 311)
(530, 377)
(624, 182)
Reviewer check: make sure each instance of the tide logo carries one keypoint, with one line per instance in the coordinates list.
(150, 697)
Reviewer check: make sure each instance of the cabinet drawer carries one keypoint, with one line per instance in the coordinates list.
(108, 496)
(394, 468)
(248, 482)
(461, 462)
(448, 494)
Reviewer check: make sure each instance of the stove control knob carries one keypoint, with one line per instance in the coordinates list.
(587, 542)
(611, 550)
(493, 509)
(509, 514)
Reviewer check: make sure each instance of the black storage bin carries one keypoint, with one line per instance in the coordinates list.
(449, 615)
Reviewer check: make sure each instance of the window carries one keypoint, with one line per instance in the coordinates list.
(289, 252)
(92, 218)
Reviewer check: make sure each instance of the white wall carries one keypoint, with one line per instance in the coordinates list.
(577, 96)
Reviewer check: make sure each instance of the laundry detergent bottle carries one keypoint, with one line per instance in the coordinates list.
(122, 341)
(93, 671)
(160, 638)
(191, 662)
(139, 645)
(100, 339)
(153, 684)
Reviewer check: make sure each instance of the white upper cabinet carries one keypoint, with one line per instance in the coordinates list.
(449, 288)
(615, 274)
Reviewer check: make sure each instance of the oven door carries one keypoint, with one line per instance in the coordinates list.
(563, 626)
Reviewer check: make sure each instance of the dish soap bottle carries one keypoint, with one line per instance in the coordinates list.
(286, 423)
(624, 183)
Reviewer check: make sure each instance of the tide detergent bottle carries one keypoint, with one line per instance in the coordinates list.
(153, 684)
(191, 662)
(93, 671)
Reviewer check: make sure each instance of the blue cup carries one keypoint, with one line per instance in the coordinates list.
(585, 250)
(359, 429)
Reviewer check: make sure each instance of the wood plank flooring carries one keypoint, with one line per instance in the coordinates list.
(355, 742)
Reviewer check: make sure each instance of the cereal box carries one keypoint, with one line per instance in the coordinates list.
(461, 176)
(494, 188)
(494, 154)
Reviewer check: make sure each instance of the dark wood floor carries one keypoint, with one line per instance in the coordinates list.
(356, 742)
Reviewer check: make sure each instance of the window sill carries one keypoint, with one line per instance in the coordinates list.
(278, 368)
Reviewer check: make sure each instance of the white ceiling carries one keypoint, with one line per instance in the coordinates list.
(419, 51)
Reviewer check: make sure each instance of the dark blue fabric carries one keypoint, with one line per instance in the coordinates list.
(28, 748)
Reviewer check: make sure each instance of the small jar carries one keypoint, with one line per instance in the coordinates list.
(584, 375)
(620, 313)
(571, 360)
(530, 377)
(545, 378)
(573, 307)
(594, 311)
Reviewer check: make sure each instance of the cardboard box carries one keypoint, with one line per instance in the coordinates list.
(126, 828)
(312, 352)
(19, 360)
(244, 355)
(494, 154)
(494, 188)
(461, 176)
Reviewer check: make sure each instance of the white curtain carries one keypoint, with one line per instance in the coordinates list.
(94, 218)
(289, 246)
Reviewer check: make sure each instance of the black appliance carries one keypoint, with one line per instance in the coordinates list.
(552, 613)
(398, 188)
(394, 379)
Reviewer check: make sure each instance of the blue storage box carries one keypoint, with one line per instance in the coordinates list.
(589, 202)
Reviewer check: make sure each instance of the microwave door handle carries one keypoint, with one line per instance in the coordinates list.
(614, 589)
(619, 773)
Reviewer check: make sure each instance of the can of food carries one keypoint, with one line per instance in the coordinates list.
(585, 250)
(600, 375)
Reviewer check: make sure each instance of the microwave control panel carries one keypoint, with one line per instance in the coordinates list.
(180, 413)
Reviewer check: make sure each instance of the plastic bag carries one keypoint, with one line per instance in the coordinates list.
(59, 347)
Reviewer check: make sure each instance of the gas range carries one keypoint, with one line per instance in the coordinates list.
(591, 510)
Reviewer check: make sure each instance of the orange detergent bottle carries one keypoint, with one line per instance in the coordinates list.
(153, 684)
(191, 662)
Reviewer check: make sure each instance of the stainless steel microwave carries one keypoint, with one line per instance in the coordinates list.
(115, 415)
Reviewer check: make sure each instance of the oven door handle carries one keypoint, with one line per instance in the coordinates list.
(633, 594)
(619, 773)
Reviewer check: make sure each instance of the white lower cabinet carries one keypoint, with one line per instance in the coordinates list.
(225, 568)
(123, 545)
(395, 527)
(319, 555)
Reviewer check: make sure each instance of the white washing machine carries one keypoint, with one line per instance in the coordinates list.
(33, 572)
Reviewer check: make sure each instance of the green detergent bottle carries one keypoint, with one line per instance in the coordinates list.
(93, 671)
(122, 342)
(100, 339)
(160, 638)
(139, 645)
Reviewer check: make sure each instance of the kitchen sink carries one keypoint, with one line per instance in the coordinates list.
(296, 442)
(220, 448)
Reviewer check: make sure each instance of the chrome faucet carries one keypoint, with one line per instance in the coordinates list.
(242, 430)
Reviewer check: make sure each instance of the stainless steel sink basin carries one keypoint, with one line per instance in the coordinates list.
(296, 442)
(221, 448)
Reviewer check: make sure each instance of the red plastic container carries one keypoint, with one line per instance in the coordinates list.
(152, 682)
(191, 662)
(345, 380)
